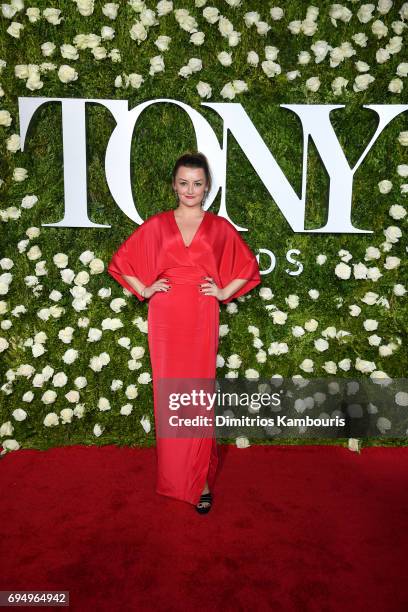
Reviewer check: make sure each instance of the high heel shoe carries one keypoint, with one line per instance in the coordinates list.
(206, 498)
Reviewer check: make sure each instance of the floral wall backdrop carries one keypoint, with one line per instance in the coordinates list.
(75, 366)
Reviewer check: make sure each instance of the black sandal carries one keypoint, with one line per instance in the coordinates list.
(207, 499)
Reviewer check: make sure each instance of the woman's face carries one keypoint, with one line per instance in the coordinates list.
(190, 183)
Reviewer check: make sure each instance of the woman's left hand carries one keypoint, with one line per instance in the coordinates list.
(210, 288)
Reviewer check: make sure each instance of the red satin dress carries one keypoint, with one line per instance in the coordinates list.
(183, 324)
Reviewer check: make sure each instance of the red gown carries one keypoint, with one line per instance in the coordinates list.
(183, 324)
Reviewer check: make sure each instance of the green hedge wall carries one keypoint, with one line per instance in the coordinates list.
(32, 337)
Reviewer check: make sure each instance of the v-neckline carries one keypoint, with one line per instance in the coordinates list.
(187, 246)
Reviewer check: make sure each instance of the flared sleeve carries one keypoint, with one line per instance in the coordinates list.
(136, 256)
(237, 261)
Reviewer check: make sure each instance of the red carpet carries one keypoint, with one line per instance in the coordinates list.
(315, 528)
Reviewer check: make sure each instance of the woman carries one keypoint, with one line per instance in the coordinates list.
(185, 261)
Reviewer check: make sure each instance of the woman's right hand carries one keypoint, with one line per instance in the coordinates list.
(159, 285)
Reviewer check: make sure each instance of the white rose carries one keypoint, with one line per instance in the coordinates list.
(374, 340)
(204, 89)
(271, 68)
(70, 356)
(135, 81)
(330, 367)
(402, 69)
(110, 10)
(103, 404)
(399, 290)
(344, 364)
(148, 17)
(338, 85)
(21, 71)
(126, 409)
(384, 6)
(309, 27)
(242, 442)
(401, 398)
(279, 317)
(311, 325)
(354, 310)
(131, 392)
(370, 298)
(402, 170)
(52, 15)
(298, 331)
(72, 396)
(162, 42)
(228, 91)
(372, 253)
(251, 18)
(60, 260)
(292, 75)
(234, 361)
(265, 293)
(304, 58)
(313, 83)
(360, 271)
(9, 445)
(197, 38)
(98, 430)
(392, 234)
(398, 27)
(96, 266)
(360, 39)
(69, 52)
(13, 143)
(262, 28)
(211, 14)
(66, 74)
(391, 262)
(343, 271)
(14, 29)
(239, 86)
(292, 300)
(370, 324)
(225, 58)
(19, 174)
(19, 414)
(138, 32)
(51, 419)
(362, 66)
(362, 81)
(278, 348)
(397, 212)
(29, 201)
(253, 58)
(321, 259)
(225, 27)
(271, 53)
(379, 29)
(59, 379)
(364, 366)
(307, 365)
(385, 186)
(156, 64)
(276, 13)
(395, 86)
(320, 48)
(99, 53)
(321, 345)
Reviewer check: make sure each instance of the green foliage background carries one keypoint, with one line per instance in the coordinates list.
(163, 132)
